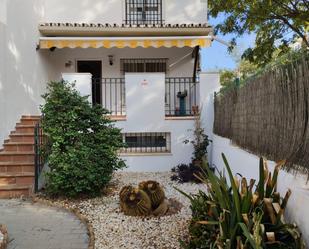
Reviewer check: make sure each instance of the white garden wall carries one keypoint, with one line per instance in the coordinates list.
(248, 165)
(146, 113)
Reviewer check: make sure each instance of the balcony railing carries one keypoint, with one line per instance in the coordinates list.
(181, 97)
(111, 94)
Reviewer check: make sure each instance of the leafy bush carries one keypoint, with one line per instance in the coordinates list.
(186, 173)
(237, 217)
(83, 143)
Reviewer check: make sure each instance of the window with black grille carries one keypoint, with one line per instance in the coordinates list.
(149, 142)
(143, 65)
(143, 12)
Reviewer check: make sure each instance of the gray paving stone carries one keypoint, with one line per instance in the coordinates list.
(33, 226)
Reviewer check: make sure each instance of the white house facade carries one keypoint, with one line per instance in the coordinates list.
(140, 59)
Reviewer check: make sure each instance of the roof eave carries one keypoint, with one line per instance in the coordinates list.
(120, 31)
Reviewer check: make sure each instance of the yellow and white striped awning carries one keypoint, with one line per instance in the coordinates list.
(123, 42)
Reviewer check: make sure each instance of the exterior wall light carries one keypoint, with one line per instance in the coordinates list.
(111, 60)
(68, 64)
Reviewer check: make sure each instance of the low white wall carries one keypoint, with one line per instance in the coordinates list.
(209, 83)
(146, 113)
(248, 165)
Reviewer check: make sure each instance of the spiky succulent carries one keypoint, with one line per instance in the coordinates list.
(239, 215)
(134, 202)
(162, 209)
(123, 195)
(154, 191)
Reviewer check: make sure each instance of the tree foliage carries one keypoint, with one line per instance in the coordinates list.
(244, 70)
(276, 24)
(83, 143)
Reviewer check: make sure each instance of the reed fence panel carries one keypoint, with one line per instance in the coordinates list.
(269, 115)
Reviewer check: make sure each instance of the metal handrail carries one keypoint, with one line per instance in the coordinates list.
(40, 157)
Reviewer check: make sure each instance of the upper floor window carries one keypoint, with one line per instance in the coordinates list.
(143, 12)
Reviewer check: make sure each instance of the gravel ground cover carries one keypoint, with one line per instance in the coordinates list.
(114, 230)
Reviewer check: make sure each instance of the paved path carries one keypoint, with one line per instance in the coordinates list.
(33, 226)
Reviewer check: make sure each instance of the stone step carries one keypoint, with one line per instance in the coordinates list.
(37, 117)
(28, 121)
(16, 179)
(24, 128)
(17, 160)
(22, 137)
(17, 157)
(19, 147)
(18, 132)
(16, 167)
(15, 191)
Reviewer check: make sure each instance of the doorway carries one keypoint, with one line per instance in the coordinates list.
(95, 68)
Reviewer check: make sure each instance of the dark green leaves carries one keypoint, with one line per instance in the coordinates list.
(83, 143)
(276, 24)
(234, 216)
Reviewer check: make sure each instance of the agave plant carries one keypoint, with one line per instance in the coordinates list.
(242, 214)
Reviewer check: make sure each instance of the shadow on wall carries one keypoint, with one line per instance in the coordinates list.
(2, 72)
(94, 11)
(191, 12)
(98, 11)
(26, 69)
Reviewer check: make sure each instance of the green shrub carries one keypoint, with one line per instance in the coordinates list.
(235, 216)
(83, 143)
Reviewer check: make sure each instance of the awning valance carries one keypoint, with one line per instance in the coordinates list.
(123, 42)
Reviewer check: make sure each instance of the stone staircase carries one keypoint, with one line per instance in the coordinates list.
(17, 160)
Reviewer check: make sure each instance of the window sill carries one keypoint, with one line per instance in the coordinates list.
(146, 154)
(118, 118)
(180, 118)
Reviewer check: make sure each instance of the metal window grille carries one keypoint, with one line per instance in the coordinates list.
(149, 142)
(181, 96)
(143, 65)
(143, 12)
(113, 94)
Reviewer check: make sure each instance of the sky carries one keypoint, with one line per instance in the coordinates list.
(217, 57)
